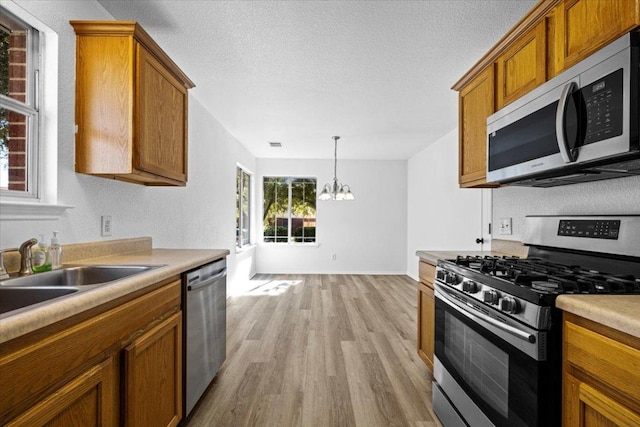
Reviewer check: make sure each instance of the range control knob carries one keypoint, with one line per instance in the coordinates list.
(490, 297)
(440, 274)
(470, 286)
(509, 305)
(452, 279)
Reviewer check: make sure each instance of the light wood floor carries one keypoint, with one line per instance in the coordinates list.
(321, 350)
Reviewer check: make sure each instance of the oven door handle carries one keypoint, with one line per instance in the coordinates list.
(480, 316)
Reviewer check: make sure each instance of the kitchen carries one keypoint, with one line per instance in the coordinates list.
(410, 184)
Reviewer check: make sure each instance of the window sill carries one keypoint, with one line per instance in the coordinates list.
(15, 211)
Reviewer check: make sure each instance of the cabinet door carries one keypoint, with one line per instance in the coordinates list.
(584, 26)
(161, 120)
(476, 104)
(153, 376)
(522, 67)
(427, 273)
(585, 406)
(426, 318)
(85, 401)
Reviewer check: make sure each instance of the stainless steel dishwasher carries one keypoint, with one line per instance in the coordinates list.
(205, 344)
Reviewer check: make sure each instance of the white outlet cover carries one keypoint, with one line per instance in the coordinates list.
(505, 226)
(106, 225)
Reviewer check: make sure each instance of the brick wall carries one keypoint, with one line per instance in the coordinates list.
(17, 122)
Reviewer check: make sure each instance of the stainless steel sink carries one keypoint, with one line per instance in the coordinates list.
(19, 292)
(15, 298)
(83, 275)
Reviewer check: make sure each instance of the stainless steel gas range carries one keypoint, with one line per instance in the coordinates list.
(498, 335)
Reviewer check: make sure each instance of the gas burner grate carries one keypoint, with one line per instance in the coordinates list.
(547, 277)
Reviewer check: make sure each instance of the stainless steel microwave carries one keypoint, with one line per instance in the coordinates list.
(582, 125)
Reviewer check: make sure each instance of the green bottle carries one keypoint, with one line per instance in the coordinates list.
(40, 260)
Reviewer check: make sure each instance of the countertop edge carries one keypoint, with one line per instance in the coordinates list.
(173, 261)
(619, 312)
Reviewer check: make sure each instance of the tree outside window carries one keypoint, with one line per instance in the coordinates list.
(289, 211)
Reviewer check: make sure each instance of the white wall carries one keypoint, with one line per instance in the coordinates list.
(440, 215)
(615, 196)
(200, 215)
(368, 234)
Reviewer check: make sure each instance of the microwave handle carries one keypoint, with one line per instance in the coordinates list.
(568, 155)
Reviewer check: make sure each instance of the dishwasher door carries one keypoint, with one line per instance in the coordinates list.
(205, 328)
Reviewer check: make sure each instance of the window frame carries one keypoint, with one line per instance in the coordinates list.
(46, 206)
(290, 180)
(31, 109)
(240, 174)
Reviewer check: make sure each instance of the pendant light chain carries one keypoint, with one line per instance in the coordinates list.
(335, 158)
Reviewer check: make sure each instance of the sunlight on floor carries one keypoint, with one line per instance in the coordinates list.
(270, 287)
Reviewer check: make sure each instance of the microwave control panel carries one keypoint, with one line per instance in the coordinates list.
(603, 107)
(595, 229)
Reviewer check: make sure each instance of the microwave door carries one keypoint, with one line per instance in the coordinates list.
(522, 138)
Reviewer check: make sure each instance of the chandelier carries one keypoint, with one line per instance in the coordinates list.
(335, 190)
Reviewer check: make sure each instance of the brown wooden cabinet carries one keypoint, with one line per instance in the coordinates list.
(153, 376)
(476, 103)
(84, 401)
(131, 106)
(426, 313)
(584, 26)
(72, 373)
(522, 67)
(601, 375)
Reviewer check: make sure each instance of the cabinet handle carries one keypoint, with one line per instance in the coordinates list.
(479, 240)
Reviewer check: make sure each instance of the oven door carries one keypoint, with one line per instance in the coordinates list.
(493, 373)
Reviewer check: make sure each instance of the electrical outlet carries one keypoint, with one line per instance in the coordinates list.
(333, 257)
(505, 226)
(106, 225)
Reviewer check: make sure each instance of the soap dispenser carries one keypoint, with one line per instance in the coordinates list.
(55, 252)
(41, 261)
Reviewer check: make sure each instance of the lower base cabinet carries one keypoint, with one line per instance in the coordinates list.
(153, 366)
(601, 375)
(426, 318)
(110, 366)
(85, 401)
(426, 313)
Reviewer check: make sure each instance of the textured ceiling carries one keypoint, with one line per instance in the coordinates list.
(377, 73)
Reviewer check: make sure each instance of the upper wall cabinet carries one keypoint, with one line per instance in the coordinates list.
(522, 66)
(552, 37)
(476, 104)
(131, 106)
(584, 26)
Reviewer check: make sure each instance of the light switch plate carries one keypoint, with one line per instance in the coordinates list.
(106, 225)
(505, 226)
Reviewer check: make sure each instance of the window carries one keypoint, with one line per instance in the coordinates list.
(243, 207)
(19, 64)
(289, 214)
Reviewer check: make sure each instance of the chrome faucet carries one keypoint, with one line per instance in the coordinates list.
(25, 259)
